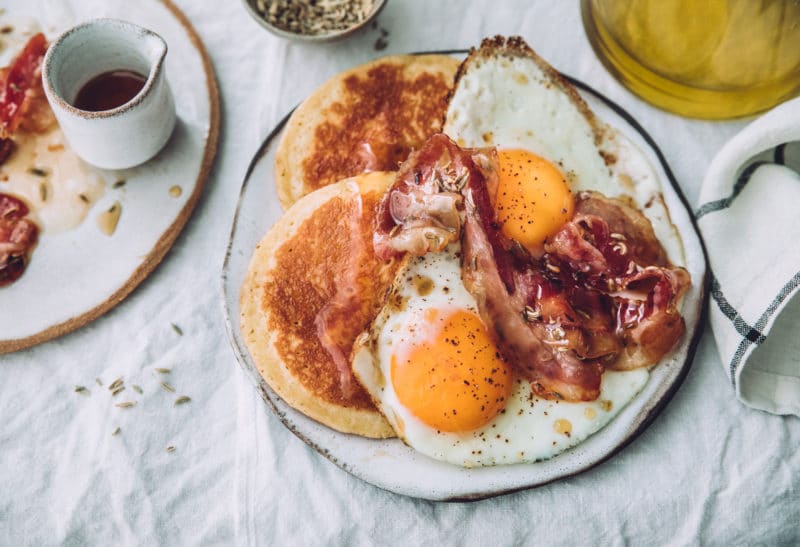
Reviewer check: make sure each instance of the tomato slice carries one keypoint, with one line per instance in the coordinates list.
(21, 76)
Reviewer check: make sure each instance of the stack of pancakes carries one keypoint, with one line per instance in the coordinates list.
(334, 163)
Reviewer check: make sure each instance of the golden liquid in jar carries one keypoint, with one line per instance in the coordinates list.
(711, 59)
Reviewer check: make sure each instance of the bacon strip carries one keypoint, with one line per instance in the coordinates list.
(512, 295)
(21, 94)
(421, 211)
(614, 246)
(23, 75)
(602, 295)
(331, 320)
(536, 350)
(18, 235)
(494, 269)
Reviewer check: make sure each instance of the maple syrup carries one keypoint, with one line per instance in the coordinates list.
(109, 90)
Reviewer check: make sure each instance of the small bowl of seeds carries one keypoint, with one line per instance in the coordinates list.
(313, 20)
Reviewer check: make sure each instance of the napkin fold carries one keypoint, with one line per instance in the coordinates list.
(749, 216)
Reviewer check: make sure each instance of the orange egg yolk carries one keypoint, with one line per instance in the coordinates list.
(453, 379)
(533, 198)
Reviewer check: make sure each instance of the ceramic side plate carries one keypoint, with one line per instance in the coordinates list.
(392, 465)
(77, 275)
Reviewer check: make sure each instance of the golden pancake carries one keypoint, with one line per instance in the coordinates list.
(365, 119)
(313, 280)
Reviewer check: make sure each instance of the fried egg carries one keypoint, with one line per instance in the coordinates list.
(427, 360)
(432, 369)
(550, 145)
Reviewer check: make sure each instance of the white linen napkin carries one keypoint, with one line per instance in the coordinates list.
(748, 216)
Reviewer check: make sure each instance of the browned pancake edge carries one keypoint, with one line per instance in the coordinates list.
(367, 118)
(294, 272)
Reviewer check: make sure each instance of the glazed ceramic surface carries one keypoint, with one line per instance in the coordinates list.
(129, 134)
(392, 465)
(76, 275)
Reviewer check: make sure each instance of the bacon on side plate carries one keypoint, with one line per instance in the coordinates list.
(602, 296)
(22, 106)
(18, 235)
(22, 99)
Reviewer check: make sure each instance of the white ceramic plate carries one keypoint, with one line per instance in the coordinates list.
(75, 276)
(392, 465)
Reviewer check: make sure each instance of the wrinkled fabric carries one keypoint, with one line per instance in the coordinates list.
(747, 213)
(708, 469)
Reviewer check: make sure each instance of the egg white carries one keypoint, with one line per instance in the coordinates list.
(527, 430)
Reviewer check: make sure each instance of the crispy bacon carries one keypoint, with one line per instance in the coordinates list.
(22, 105)
(497, 271)
(421, 211)
(22, 99)
(537, 349)
(534, 325)
(650, 325)
(602, 296)
(23, 74)
(577, 243)
(18, 235)
(620, 218)
(628, 265)
(333, 327)
(7, 147)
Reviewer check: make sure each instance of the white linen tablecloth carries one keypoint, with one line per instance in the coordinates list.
(708, 470)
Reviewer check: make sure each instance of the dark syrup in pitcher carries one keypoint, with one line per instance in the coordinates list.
(109, 90)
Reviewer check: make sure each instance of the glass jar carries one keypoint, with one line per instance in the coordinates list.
(711, 59)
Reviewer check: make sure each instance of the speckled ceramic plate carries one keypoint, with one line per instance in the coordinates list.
(392, 465)
(77, 275)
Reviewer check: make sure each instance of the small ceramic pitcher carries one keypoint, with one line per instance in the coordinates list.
(126, 135)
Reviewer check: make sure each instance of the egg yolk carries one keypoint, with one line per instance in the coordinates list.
(533, 198)
(453, 379)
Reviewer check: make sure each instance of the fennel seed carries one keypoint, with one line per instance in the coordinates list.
(530, 314)
(38, 171)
